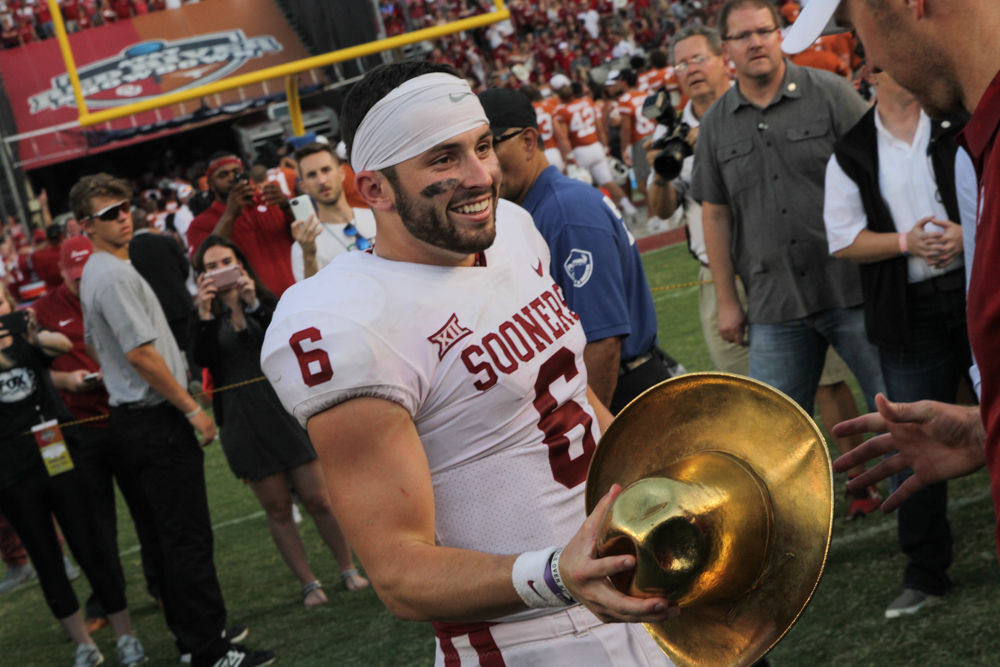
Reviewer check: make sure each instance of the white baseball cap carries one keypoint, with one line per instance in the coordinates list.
(815, 19)
(559, 81)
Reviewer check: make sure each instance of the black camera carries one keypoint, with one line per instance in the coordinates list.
(673, 145)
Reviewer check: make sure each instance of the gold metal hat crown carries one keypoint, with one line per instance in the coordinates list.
(727, 507)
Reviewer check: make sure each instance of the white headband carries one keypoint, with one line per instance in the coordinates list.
(416, 116)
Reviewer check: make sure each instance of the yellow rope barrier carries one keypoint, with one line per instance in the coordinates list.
(696, 283)
(200, 394)
(236, 385)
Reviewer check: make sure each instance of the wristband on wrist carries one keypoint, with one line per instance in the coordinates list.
(193, 413)
(903, 249)
(563, 593)
(535, 583)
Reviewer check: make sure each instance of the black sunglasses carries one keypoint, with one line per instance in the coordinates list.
(109, 213)
(505, 137)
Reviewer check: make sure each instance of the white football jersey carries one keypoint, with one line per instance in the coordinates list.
(487, 360)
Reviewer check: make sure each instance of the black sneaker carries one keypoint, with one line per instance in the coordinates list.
(241, 656)
(234, 633)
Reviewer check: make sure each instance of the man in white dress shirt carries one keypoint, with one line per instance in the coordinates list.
(338, 226)
(890, 201)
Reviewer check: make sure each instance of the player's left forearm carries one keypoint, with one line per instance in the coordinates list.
(602, 359)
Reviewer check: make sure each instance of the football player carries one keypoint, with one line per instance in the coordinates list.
(442, 382)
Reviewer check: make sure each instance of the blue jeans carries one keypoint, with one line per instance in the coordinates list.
(930, 367)
(789, 355)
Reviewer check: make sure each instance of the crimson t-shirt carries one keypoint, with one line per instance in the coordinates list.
(265, 237)
(983, 310)
(60, 311)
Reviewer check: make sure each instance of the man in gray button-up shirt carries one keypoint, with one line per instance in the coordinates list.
(759, 173)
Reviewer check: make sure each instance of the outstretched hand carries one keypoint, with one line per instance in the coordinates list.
(938, 441)
(587, 576)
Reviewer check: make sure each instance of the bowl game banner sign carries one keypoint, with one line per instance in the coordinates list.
(139, 59)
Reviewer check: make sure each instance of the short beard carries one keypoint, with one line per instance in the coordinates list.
(425, 224)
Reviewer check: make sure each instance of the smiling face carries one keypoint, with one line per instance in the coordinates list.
(755, 56)
(699, 79)
(446, 197)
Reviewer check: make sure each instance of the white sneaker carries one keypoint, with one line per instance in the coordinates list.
(72, 571)
(130, 651)
(910, 601)
(87, 655)
(17, 575)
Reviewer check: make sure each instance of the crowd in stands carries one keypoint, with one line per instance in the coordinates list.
(27, 21)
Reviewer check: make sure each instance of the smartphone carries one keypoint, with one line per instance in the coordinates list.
(302, 207)
(92, 377)
(224, 277)
(15, 323)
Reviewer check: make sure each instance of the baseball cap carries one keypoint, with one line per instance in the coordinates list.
(506, 108)
(558, 81)
(816, 18)
(613, 77)
(73, 254)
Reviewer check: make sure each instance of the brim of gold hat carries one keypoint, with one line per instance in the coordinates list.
(770, 433)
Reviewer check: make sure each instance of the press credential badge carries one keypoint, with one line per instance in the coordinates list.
(51, 442)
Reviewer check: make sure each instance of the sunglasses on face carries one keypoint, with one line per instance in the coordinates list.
(109, 213)
(359, 241)
(497, 140)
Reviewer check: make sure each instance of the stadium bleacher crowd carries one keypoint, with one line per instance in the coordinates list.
(26, 21)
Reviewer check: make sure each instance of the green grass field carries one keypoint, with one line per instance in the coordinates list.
(842, 625)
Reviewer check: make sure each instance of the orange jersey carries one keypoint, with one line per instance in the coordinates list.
(820, 58)
(285, 178)
(543, 112)
(580, 118)
(655, 79)
(630, 105)
(839, 44)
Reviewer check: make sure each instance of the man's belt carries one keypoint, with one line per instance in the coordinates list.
(949, 282)
(634, 363)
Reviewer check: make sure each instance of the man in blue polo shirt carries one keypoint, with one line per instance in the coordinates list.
(594, 256)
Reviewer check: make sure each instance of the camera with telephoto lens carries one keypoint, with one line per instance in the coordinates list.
(673, 145)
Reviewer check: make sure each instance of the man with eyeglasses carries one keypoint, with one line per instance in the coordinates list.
(594, 258)
(164, 426)
(759, 173)
(338, 227)
(701, 72)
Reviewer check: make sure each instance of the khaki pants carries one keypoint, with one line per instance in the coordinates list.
(726, 357)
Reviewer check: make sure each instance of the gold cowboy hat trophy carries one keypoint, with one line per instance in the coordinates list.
(727, 506)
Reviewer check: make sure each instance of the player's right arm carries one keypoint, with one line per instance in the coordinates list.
(380, 487)
(562, 137)
(717, 220)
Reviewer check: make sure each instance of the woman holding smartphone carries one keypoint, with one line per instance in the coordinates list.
(38, 480)
(263, 443)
